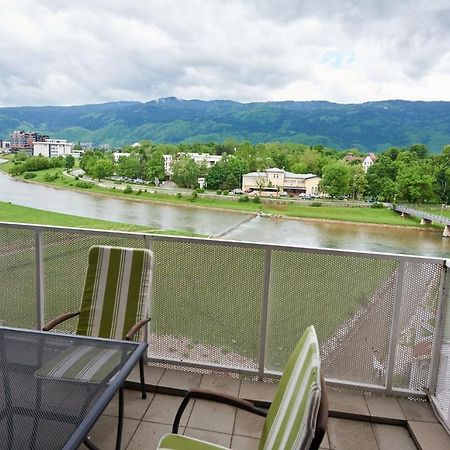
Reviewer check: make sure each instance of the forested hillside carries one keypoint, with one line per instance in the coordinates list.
(372, 126)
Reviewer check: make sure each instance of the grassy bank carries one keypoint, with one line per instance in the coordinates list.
(22, 214)
(340, 211)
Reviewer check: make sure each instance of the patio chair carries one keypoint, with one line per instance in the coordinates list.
(297, 418)
(116, 296)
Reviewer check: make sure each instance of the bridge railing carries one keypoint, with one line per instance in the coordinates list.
(422, 214)
(240, 307)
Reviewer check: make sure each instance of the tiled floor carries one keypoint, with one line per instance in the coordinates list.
(147, 420)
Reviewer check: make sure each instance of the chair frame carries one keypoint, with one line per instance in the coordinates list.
(246, 405)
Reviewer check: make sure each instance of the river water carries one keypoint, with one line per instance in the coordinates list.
(210, 222)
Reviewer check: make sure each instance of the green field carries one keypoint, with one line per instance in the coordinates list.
(23, 214)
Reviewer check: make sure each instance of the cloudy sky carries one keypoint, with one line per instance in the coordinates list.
(63, 52)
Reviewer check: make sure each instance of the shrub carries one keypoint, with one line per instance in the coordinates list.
(225, 192)
(377, 205)
(139, 192)
(199, 190)
(77, 178)
(316, 204)
(51, 176)
(243, 198)
(193, 196)
(29, 175)
(179, 195)
(128, 189)
(219, 192)
(84, 184)
(257, 199)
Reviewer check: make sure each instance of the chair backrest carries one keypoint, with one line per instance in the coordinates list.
(116, 291)
(291, 419)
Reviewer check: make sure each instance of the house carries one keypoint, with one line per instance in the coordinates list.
(368, 161)
(199, 158)
(274, 180)
(51, 148)
(118, 155)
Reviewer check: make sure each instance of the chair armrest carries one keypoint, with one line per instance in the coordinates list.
(57, 320)
(135, 328)
(217, 397)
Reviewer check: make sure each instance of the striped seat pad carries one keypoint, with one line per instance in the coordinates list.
(291, 419)
(84, 364)
(116, 291)
(178, 442)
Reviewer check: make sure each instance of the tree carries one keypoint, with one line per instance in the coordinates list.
(358, 182)
(442, 175)
(185, 172)
(129, 167)
(415, 184)
(69, 161)
(336, 178)
(155, 166)
(381, 176)
(102, 168)
(227, 173)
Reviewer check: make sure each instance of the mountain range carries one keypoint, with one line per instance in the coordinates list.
(372, 126)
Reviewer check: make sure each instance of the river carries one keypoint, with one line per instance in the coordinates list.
(211, 222)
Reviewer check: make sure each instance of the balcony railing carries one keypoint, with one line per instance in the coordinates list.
(237, 306)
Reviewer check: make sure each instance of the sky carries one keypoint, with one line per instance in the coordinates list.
(67, 52)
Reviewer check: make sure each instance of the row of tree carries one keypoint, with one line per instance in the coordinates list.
(410, 174)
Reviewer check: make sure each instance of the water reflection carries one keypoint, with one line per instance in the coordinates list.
(344, 236)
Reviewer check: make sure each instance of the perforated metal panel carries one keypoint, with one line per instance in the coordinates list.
(443, 379)
(18, 287)
(65, 265)
(417, 322)
(347, 298)
(375, 314)
(207, 303)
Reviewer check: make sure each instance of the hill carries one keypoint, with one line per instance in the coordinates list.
(371, 126)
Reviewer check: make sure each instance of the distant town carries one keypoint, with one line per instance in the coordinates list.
(277, 169)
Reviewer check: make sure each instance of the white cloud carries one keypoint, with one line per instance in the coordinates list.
(70, 52)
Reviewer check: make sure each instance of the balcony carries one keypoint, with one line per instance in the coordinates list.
(229, 313)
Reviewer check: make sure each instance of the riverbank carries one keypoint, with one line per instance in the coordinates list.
(275, 208)
(23, 214)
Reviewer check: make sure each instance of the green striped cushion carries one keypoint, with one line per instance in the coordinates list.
(116, 291)
(84, 364)
(178, 442)
(291, 419)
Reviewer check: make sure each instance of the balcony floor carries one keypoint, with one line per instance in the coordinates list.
(357, 422)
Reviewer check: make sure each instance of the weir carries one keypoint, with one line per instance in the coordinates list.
(234, 227)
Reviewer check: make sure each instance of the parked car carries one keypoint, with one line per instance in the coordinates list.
(238, 191)
(283, 194)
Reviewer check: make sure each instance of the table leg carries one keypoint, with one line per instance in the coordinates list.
(120, 418)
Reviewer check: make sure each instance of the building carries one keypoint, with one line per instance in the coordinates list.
(273, 181)
(52, 148)
(368, 161)
(4, 146)
(24, 140)
(199, 158)
(118, 155)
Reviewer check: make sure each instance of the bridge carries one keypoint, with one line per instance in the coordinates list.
(426, 218)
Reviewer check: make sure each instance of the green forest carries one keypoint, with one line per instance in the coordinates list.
(369, 127)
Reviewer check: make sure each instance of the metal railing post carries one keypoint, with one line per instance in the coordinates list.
(264, 313)
(395, 326)
(40, 293)
(439, 327)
